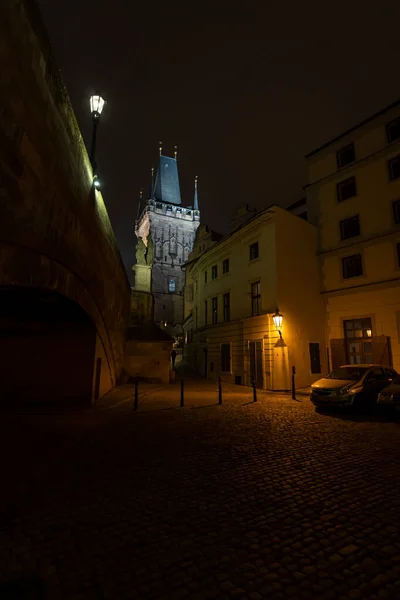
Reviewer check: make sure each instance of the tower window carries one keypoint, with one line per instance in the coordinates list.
(165, 258)
(171, 285)
(345, 156)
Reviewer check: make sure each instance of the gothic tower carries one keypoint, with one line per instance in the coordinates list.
(165, 230)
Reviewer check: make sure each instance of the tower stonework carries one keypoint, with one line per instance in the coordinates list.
(165, 231)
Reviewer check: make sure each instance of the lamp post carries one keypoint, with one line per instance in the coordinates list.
(96, 108)
(277, 319)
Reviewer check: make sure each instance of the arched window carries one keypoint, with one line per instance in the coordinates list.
(171, 285)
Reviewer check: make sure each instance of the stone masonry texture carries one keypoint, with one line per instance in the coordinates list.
(244, 500)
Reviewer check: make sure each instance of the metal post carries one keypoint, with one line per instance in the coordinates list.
(182, 395)
(219, 391)
(254, 390)
(293, 383)
(136, 396)
(93, 145)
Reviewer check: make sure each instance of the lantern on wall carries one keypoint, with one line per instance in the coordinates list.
(277, 319)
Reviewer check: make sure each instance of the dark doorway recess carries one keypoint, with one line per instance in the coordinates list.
(47, 348)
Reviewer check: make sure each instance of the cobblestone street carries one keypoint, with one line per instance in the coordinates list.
(246, 501)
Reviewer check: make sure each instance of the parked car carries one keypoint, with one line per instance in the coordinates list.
(390, 395)
(352, 385)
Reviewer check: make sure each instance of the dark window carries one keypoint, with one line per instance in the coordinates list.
(205, 276)
(398, 253)
(349, 228)
(254, 251)
(214, 272)
(393, 130)
(227, 307)
(205, 311)
(315, 360)
(352, 266)
(225, 266)
(345, 156)
(214, 306)
(394, 168)
(165, 258)
(226, 358)
(346, 189)
(396, 211)
(255, 298)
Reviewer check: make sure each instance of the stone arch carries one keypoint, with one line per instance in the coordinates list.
(23, 268)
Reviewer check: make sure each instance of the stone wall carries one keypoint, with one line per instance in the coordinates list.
(54, 229)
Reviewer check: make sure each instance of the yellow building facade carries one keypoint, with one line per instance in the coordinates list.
(353, 199)
(232, 291)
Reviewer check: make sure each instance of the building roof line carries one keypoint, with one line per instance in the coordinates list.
(364, 122)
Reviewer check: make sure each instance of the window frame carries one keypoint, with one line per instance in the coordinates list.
(348, 220)
(214, 310)
(352, 256)
(339, 186)
(392, 122)
(226, 307)
(340, 164)
(255, 298)
(214, 272)
(225, 266)
(254, 245)
(223, 359)
(391, 161)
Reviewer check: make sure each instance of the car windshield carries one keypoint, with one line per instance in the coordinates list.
(347, 373)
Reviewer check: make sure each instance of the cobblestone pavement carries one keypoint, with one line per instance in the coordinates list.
(239, 501)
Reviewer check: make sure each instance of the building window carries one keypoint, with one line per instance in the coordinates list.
(214, 306)
(171, 285)
(346, 189)
(350, 228)
(358, 334)
(393, 130)
(205, 276)
(394, 168)
(255, 298)
(165, 258)
(315, 359)
(227, 307)
(225, 266)
(345, 156)
(225, 358)
(398, 253)
(214, 272)
(205, 312)
(352, 266)
(396, 211)
(254, 251)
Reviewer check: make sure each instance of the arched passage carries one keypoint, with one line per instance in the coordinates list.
(47, 348)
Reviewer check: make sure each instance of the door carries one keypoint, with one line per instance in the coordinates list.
(374, 383)
(256, 363)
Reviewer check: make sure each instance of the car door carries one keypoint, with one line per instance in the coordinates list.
(374, 383)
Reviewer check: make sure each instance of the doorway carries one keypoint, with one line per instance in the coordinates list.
(256, 363)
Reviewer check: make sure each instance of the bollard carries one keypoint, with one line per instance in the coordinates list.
(254, 390)
(293, 383)
(182, 395)
(219, 391)
(136, 395)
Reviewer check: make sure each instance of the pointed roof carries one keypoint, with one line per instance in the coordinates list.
(139, 210)
(196, 196)
(167, 187)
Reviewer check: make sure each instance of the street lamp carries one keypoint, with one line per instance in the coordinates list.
(277, 319)
(96, 108)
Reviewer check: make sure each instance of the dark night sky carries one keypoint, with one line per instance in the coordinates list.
(244, 89)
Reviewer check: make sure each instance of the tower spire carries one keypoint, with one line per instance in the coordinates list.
(196, 197)
(160, 147)
(139, 210)
(151, 195)
(176, 152)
